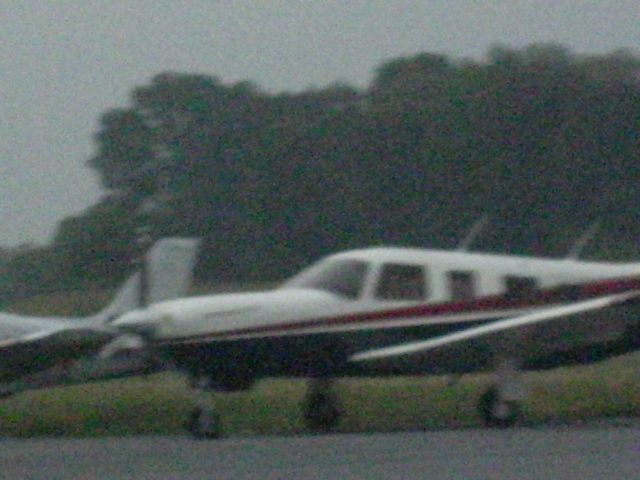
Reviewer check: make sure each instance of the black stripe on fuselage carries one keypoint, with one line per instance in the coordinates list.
(307, 354)
(327, 354)
(301, 348)
(489, 307)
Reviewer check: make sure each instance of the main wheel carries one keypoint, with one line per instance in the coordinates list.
(321, 412)
(497, 412)
(204, 424)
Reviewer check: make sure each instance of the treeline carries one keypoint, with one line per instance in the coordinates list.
(543, 141)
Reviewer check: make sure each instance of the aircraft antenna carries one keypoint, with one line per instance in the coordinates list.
(578, 246)
(474, 231)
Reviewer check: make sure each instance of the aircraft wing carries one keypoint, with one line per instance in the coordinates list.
(29, 345)
(532, 337)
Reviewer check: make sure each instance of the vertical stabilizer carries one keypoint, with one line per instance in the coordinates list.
(169, 271)
(170, 266)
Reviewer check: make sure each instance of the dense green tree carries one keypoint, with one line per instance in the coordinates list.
(534, 137)
(99, 245)
(29, 272)
(544, 141)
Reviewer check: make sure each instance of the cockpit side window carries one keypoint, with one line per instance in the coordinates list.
(341, 277)
(401, 282)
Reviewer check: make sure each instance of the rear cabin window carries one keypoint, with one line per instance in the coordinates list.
(461, 285)
(518, 287)
(401, 282)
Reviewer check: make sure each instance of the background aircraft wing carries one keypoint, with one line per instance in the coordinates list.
(534, 337)
(29, 345)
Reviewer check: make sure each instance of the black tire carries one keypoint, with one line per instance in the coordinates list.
(321, 413)
(204, 425)
(498, 413)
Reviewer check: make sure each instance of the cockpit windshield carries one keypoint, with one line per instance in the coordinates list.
(342, 277)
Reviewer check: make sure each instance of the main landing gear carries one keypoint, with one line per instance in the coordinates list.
(496, 411)
(321, 411)
(204, 423)
(500, 405)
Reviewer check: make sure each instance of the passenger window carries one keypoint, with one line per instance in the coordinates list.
(461, 285)
(401, 282)
(517, 287)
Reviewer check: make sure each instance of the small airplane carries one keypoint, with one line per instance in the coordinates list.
(37, 352)
(400, 311)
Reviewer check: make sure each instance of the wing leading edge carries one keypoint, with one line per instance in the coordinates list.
(516, 333)
(39, 350)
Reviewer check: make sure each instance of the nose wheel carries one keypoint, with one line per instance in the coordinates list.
(204, 422)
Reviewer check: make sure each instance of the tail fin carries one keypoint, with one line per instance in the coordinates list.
(169, 270)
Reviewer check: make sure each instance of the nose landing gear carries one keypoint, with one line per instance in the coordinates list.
(204, 422)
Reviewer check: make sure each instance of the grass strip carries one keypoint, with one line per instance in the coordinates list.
(159, 404)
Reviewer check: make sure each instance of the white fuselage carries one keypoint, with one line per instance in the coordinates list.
(298, 305)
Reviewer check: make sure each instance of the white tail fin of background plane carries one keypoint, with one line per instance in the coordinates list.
(170, 268)
(169, 272)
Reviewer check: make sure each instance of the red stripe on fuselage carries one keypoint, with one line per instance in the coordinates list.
(484, 305)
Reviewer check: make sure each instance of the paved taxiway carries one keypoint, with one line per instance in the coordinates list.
(549, 453)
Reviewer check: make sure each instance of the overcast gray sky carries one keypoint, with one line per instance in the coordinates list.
(65, 62)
